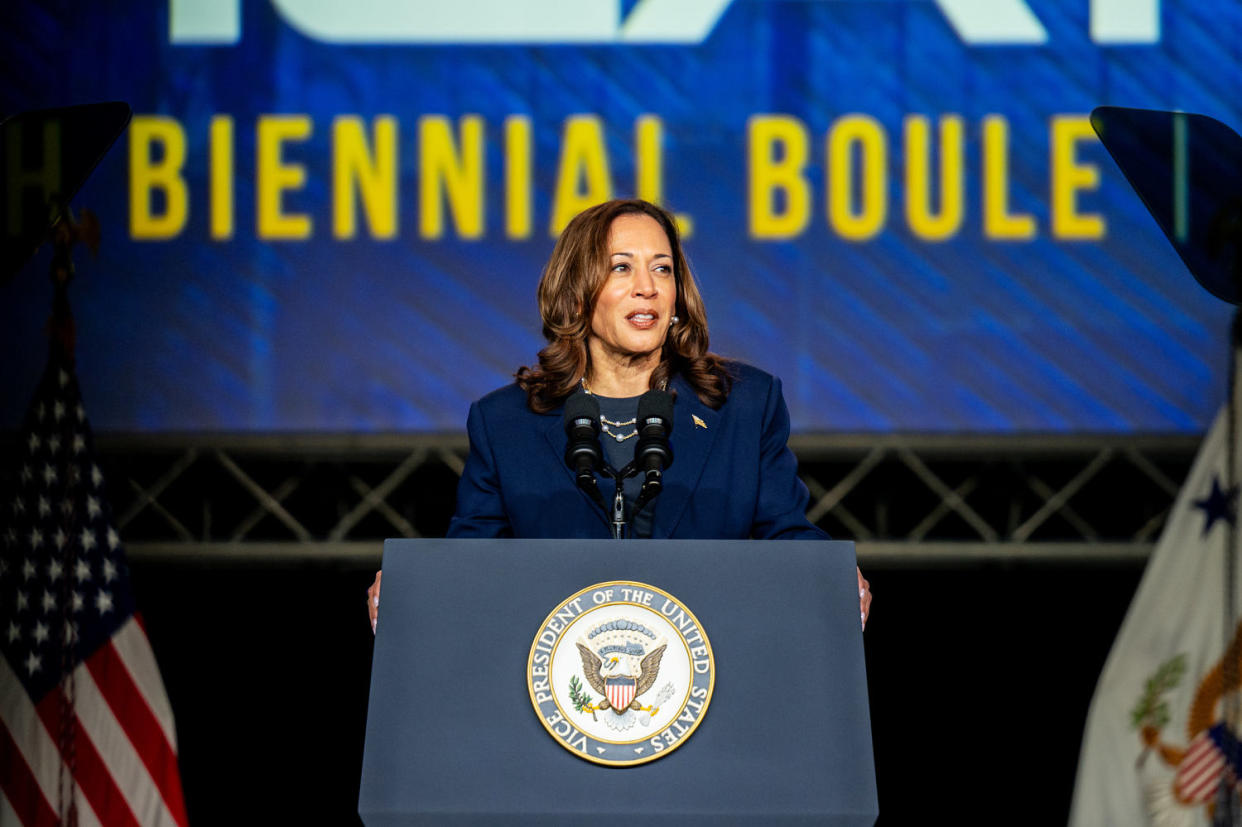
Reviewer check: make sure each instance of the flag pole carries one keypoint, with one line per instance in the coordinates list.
(1228, 806)
(62, 337)
(1227, 809)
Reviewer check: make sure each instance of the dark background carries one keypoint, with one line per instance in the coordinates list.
(980, 678)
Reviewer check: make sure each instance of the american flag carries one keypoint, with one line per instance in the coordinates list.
(86, 731)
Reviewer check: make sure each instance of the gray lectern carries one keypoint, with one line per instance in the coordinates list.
(453, 736)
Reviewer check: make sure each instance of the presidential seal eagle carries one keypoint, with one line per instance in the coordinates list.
(621, 661)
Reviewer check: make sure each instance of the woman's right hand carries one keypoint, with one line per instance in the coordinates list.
(373, 601)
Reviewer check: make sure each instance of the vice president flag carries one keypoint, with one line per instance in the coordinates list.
(86, 731)
(1156, 748)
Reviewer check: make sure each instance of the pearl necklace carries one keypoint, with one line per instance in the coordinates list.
(605, 422)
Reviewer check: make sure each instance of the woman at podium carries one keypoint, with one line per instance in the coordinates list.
(623, 316)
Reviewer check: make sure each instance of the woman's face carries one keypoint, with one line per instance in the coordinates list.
(635, 306)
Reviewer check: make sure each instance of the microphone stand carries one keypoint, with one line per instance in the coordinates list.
(620, 522)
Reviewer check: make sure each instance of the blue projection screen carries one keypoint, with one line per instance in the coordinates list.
(332, 216)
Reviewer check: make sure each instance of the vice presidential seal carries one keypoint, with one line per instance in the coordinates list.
(621, 673)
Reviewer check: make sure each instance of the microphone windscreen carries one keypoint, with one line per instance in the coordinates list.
(656, 403)
(581, 405)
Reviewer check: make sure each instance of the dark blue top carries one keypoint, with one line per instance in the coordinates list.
(619, 453)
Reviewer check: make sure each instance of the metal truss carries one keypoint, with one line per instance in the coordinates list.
(904, 499)
(990, 489)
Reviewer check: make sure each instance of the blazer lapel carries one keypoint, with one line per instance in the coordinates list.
(555, 435)
(694, 432)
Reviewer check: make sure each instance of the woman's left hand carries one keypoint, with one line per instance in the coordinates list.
(373, 600)
(864, 597)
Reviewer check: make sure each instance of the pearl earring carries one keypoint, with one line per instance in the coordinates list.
(674, 320)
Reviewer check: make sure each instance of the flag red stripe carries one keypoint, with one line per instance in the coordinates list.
(1198, 779)
(1201, 749)
(134, 650)
(91, 774)
(1204, 781)
(140, 725)
(1210, 766)
(1200, 795)
(1196, 767)
(20, 786)
(1208, 780)
(1193, 768)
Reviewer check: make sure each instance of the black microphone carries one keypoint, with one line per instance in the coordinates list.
(583, 452)
(653, 454)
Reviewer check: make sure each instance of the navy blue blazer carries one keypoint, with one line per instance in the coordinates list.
(733, 475)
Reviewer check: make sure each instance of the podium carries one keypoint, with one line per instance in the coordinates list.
(453, 738)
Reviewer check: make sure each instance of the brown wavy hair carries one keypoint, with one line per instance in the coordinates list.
(568, 289)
